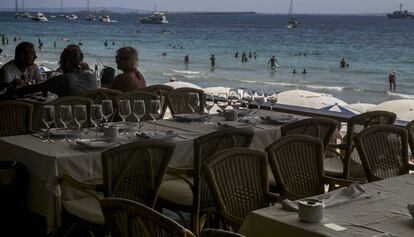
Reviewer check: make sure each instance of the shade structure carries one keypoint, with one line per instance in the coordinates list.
(361, 107)
(180, 84)
(406, 116)
(308, 99)
(339, 109)
(398, 107)
(216, 90)
(43, 69)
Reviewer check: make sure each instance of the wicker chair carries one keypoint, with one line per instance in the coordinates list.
(132, 171)
(131, 219)
(352, 168)
(219, 233)
(238, 180)
(384, 151)
(297, 164)
(102, 94)
(161, 91)
(410, 130)
(190, 192)
(138, 95)
(177, 100)
(15, 118)
(71, 100)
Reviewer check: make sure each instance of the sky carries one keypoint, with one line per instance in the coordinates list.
(262, 6)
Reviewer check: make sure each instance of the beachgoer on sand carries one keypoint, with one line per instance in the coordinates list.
(392, 78)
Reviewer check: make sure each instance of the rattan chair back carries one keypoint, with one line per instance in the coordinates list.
(15, 118)
(102, 94)
(322, 128)
(384, 151)
(161, 91)
(138, 95)
(410, 130)
(205, 147)
(353, 169)
(127, 218)
(239, 182)
(177, 100)
(73, 101)
(135, 170)
(297, 164)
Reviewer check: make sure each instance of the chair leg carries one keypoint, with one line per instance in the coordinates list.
(195, 223)
(67, 232)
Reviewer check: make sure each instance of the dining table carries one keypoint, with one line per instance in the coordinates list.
(46, 162)
(379, 210)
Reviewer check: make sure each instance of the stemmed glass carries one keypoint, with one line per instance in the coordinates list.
(258, 100)
(139, 112)
(209, 103)
(80, 117)
(96, 116)
(107, 110)
(272, 100)
(66, 117)
(193, 103)
(234, 99)
(222, 102)
(48, 118)
(155, 112)
(124, 110)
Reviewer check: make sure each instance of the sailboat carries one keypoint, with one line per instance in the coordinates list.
(90, 16)
(62, 15)
(156, 18)
(292, 22)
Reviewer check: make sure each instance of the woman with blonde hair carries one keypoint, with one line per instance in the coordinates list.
(131, 79)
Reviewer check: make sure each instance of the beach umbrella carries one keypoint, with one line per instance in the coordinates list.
(339, 109)
(398, 107)
(360, 107)
(216, 90)
(406, 116)
(308, 99)
(43, 69)
(179, 84)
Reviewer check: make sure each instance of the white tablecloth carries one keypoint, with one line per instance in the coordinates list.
(45, 162)
(384, 214)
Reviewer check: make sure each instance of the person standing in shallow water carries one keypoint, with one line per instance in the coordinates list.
(186, 59)
(392, 78)
(213, 60)
(272, 62)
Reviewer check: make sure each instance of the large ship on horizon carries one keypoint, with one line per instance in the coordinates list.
(401, 14)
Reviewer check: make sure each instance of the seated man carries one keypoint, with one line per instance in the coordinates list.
(73, 82)
(131, 79)
(21, 70)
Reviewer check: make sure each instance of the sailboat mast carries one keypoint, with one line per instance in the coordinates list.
(291, 9)
(61, 6)
(23, 6)
(17, 6)
(88, 7)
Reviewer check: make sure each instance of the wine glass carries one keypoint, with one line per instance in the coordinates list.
(139, 112)
(234, 99)
(66, 117)
(258, 101)
(96, 116)
(48, 118)
(272, 100)
(193, 102)
(107, 110)
(80, 117)
(222, 102)
(155, 112)
(124, 110)
(209, 103)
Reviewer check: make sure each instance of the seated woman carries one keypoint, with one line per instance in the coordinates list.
(131, 79)
(73, 82)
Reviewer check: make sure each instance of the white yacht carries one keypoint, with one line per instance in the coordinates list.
(105, 18)
(40, 17)
(292, 22)
(156, 18)
(72, 17)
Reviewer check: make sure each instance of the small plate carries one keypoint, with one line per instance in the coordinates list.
(94, 143)
(61, 132)
(189, 117)
(158, 136)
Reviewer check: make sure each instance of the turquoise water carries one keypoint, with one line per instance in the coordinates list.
(373, 46)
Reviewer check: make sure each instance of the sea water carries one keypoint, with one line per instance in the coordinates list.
(372, 45)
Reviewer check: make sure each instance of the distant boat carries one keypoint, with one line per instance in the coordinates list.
(40, 17)
(90, 17)
(72, 17)
(104, 18)
(401, 14)
(292, 22)
(156, 18)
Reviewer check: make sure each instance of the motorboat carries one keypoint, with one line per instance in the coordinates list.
(72, 17)
(40, 17)
(105, 18)
(156, 18)
(91, 17)
(401, 14)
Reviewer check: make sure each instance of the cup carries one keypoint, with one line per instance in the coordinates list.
(111, 131)
(311, 210)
